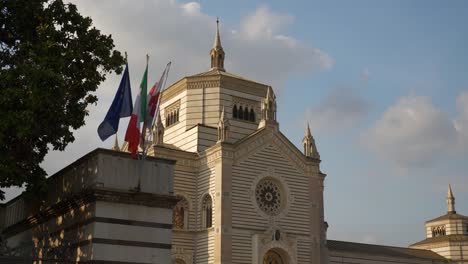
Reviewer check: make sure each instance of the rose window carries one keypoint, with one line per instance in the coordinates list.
(268, 196)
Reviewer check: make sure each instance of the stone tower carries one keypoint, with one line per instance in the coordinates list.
(248, 195)
(447, 235)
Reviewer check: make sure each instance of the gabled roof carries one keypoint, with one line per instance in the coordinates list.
(447, 238)
(399, 252)
(448, 216)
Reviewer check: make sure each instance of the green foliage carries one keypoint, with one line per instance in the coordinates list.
(51, 60)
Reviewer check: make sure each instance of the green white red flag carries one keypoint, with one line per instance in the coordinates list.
(133, 134)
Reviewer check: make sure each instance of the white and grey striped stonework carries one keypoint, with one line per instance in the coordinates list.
(98, 216)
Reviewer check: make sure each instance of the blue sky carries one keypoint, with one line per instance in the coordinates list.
(383, 51)
(383, 84)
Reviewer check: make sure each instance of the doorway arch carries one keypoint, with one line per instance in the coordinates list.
(273, 257)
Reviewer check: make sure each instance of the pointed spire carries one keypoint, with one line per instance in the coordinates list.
(116, 144)
(308, 134)
(217, 52)
(222, 114)
(450, 201)
(217, 40)
(310, 149)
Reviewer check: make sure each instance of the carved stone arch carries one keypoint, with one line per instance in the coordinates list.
(274, 256)
(207, 210)
(283, 247)
(179, 261)
(182, 255)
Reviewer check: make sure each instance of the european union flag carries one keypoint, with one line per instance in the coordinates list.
(121, 107)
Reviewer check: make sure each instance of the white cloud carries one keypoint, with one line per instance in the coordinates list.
(342, 109)
(192, 8)
(264, 23)
(257, 48)
(414, 133)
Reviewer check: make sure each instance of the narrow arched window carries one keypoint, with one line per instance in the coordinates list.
(246, 114)
(234, 112)
(167, 120)
(240, 114)
(207, 211)
(252, 115)
(177, 115)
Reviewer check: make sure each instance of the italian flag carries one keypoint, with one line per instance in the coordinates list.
(153, 97)
(133, 134)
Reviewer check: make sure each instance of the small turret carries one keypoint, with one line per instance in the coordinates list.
(217, 52)
(450, 201)
(116, 144)
(268, 109)
(158, 132)
(310, 149)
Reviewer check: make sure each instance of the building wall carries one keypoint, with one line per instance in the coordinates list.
(275, 160)
(452, 227)
(201, 100)
(456, 251)
(94, 213)
(346, 257)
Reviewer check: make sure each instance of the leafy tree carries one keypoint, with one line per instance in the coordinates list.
(51, 60)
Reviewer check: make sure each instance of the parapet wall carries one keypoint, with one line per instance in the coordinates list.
(104, 207)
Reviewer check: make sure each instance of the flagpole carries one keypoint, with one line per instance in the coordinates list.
(143, 136)
(163, 87)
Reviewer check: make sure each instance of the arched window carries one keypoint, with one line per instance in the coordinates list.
(177, 115)
(240, 114)
(438, 231)
(252, 115)
(246, 113)
(234, 112)
(207, 207)
(180, 214)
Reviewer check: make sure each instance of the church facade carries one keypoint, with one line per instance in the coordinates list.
(248, 195)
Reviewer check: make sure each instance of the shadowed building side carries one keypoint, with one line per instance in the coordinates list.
(93, 214)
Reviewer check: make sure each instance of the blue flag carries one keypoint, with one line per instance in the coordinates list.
(121, 107)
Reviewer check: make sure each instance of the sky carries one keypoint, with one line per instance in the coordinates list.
(383, 85)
